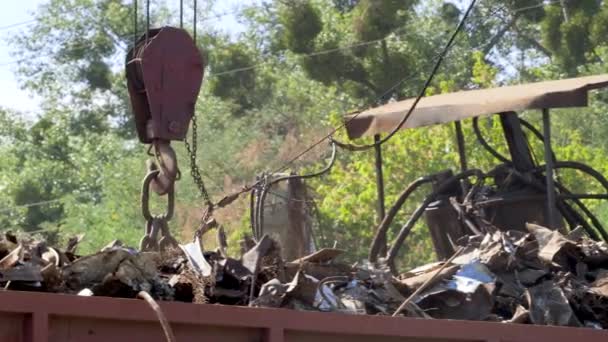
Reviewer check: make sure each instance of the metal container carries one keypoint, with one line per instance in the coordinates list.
(42, 317)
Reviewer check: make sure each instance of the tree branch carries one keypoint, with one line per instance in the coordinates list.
(532, 41)
(498, 36)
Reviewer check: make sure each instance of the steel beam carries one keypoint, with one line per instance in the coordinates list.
(381, 209)
(549, 169)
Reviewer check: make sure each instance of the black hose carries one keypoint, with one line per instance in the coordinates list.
(266, 185)
(405, 230)
(537, 133)
(591, 172)
(563, 189)
(485, 144)
(598, 226)
(252, 209)
(571, 216)
(380, 235)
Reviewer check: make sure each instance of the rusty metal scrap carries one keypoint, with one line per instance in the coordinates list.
(540, 277)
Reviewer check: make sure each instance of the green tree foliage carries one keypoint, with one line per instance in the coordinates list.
(573, 29)
(302, 23)
(268, 93)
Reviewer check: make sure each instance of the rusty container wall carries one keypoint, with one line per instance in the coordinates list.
(40, 317)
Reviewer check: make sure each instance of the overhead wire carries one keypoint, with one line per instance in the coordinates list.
(254, 66)
(334, 130)
(29, 205)
(354, 147)
(438, 58)
(421, 94)
(6, 27)
(40, 203)
(401, 81)
(85, 45)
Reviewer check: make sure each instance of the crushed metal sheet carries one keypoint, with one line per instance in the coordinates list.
(12, 258)
(536, 277)
(321, 256)
(600, 285)
(251, 260)
(470, 277)
(194, 253)
(521, 315)
(554, 248)
(24, 273)
(549, 306)
(412, 283)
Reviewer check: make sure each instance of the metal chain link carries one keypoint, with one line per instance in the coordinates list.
(194, 169)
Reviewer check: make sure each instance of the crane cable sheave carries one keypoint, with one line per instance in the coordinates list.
(164, 71)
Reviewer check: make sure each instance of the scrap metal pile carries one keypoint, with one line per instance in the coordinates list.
(540, 277)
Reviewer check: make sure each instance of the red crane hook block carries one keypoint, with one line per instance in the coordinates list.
(164, 73)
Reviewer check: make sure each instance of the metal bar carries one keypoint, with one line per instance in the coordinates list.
(380, 235)
(381, 209)
(549, 169)
(181, 13)
(147, 20)
(517, 199)
(516, 140)
(461, 146)
(194, 21)
(134, 22)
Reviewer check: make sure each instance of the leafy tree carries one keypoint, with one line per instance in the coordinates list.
(573, 29)
(267, 94)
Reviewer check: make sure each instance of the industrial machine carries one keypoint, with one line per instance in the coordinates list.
(517, 191)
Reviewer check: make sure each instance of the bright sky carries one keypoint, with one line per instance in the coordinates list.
(10, 94)
(14, 12)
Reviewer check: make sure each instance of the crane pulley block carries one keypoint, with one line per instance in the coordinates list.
(164, 73)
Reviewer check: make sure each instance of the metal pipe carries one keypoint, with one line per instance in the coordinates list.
(549, 169)
(571, 216)
(194, 21)
(405, 230)
(134, 22)
(388, 219)
(590, 171)
(531, 197)
(381, 210)
(267, 184)
(252, 208)
(147, 20)
(461, 147)
(536, 132)
(181, 13)
(485, 144)
(586, 211)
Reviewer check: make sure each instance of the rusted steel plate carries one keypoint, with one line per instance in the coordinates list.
(466, 104)
(39, 317)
